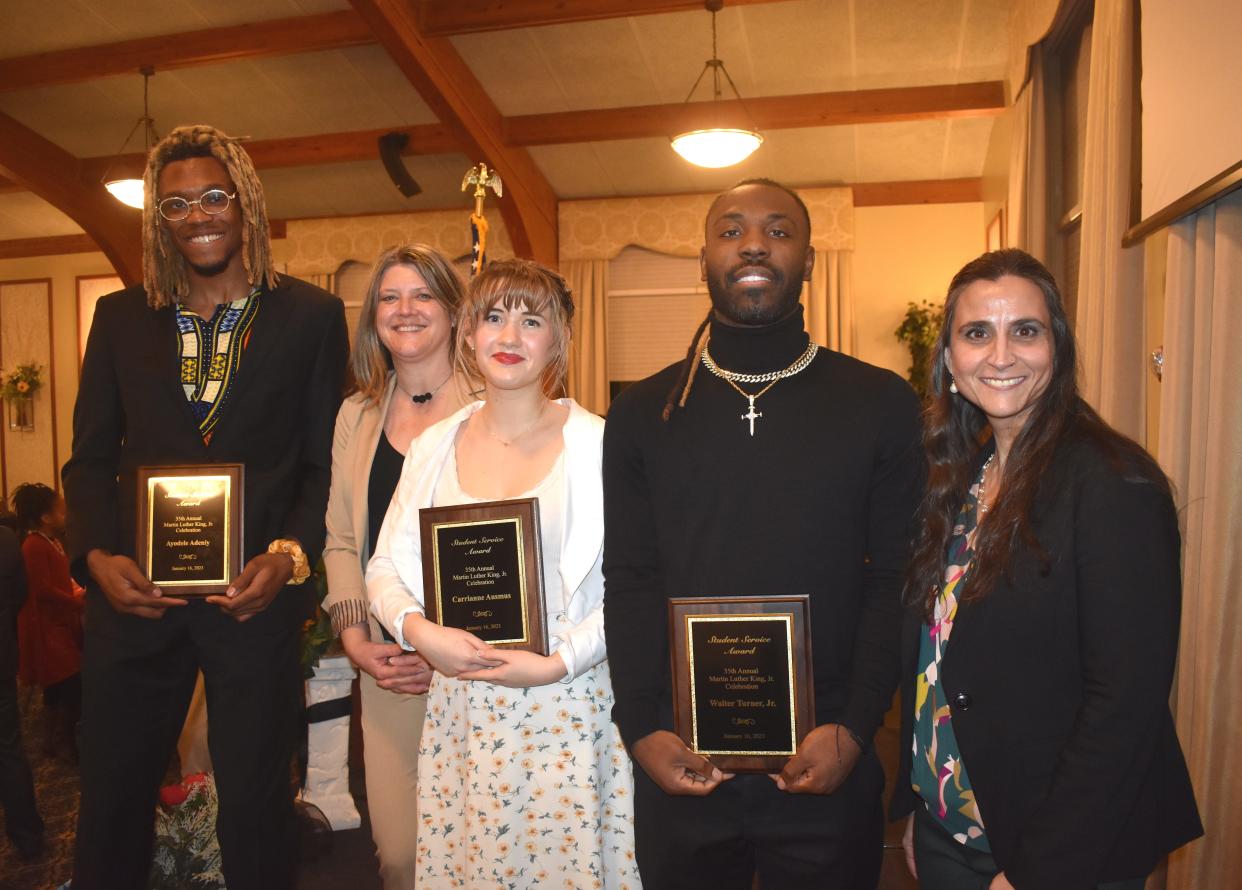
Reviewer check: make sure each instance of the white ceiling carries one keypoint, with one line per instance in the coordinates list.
(799, 46)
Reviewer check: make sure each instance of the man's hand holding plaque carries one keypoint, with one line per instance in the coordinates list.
(190, 527)
(128, 590)
(667, 761)
(742, 690)
(824, 760)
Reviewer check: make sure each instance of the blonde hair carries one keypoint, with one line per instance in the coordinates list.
(370, 360)
(163, 267)
(513, 283)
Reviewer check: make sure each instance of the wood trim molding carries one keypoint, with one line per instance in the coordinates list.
(1216, 187)
(437, 18)
(458, 100)
(211, 46)
(50, 386)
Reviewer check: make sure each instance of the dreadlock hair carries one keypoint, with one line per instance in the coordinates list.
(956, 431)
(30, 502)
(680, 392)
(370, 359)
(163, 267)
(514, 283)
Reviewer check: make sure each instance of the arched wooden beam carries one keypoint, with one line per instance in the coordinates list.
(54, 175)
(460, 103)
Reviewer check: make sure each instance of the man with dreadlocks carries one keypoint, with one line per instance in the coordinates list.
(212, 359)
(760, 464)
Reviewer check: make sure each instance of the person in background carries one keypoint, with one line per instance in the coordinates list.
(50, 624)
(214, 357)
(21, 817)
(1045, 594)
(522, 779)
(404, 380)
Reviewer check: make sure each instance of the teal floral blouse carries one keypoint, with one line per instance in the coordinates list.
(938, 774)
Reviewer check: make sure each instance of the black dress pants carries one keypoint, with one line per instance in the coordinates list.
(21, 818)
(748, 826)
(138, 676)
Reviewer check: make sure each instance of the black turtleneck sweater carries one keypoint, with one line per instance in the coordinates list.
(819, 501)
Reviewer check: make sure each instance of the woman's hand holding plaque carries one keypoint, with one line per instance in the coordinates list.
(449, 650)
(518, 668)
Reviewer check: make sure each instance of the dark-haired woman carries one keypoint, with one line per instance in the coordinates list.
(1045, 599)
(49, 626)
(402, 364)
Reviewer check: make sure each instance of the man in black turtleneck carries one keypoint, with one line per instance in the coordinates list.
(808, 488)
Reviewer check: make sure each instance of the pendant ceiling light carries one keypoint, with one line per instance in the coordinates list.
(128, 189)
(717, 146)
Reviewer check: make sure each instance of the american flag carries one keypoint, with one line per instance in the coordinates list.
(478, 243)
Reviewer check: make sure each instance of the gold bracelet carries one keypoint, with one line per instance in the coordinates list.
(292, 549)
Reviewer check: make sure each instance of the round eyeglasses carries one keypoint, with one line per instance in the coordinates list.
(213, 202)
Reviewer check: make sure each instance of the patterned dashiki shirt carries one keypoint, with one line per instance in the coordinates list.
(938, 774)
(209, 354)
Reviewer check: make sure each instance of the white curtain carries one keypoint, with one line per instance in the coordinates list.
(1110, 277)
(1027, 222)
(829, 301)
(588, 357)
(1201, 450)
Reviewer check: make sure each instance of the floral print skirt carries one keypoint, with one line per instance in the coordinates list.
(524, 787)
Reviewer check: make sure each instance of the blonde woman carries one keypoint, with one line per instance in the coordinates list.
(523, 778)
(403, 370)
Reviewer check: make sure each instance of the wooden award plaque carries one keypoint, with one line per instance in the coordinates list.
(483, 571)
(190, 526)
(743, 694)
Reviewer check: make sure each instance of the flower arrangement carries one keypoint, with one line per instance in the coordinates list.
(21, 383)
(918, 330)
(187, 853)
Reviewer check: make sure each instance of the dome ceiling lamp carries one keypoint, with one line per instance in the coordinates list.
(128, 189)
(717, 146)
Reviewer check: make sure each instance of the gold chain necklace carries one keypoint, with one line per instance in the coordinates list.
(771, 378)
(981, 491)
(487, 426)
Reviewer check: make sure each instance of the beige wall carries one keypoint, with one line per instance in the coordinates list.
(63, 271)
(902, 254)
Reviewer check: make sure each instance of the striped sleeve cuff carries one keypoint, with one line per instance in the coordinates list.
(346, 614)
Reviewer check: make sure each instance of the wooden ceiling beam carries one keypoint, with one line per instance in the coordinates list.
(764, 112)
(303, 151)
(439, 19)
(302, 34)
(458, 100)
(52, 245)
(53, 174)
(918, 191)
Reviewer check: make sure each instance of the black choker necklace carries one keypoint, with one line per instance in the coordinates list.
(423, 397)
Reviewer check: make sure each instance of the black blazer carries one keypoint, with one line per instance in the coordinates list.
(1058, 683)
(278, 418)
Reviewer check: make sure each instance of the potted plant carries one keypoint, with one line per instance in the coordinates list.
(918, 331)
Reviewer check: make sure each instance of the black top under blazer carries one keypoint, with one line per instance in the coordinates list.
(1058, 682)
(278, 419)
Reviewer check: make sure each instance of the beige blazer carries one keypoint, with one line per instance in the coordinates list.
(358, 428)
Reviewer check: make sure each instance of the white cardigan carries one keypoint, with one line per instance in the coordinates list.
(394, 575)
